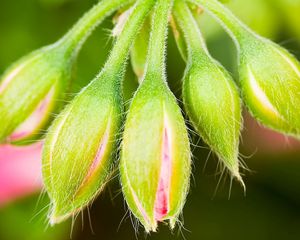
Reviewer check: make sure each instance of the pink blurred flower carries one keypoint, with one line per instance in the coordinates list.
(20, 171)
(258, 139)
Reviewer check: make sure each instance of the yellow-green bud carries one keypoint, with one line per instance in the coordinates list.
(210, 96)
(155, 158)
(270, 82)
(77, 156)
(29, 90)
(213, 105)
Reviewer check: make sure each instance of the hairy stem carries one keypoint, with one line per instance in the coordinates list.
(231, 23)
(116, 61)
(193, 37)
(157, 43)
(76, 36)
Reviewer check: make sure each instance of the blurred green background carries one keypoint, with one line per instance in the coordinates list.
(271, 207)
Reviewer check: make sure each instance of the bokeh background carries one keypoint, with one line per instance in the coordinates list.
(271, 207)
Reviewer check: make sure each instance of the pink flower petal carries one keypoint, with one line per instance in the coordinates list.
(20, 171)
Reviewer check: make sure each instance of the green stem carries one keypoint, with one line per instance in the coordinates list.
(76, 36)
(193, 37)
(117, 59)
(237, 29)
(157, 43)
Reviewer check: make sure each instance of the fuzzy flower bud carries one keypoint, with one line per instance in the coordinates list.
(155, 158)
(210, 95)
(28, 91)
(78, 148)
(270, 81)
(212, 102)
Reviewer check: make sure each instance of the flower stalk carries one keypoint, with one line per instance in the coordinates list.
(77, 35)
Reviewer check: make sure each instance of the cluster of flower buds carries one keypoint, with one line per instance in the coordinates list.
(81, 144)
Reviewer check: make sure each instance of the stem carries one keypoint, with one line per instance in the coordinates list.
(157, 43)
(77, 35)
(117, 59)
(237, 29)
(193, 37)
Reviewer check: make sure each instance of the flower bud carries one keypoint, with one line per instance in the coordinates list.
(28, 93)
(155, 158)
(138, 53)
(77, 154)
(270, 81)
(179, 38)
(213, 105)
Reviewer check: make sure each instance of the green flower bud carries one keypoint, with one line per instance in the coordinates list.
(155, 157)
(210, 95)
(212, 103)
(270, 82)
(29, 90)
(78, 148)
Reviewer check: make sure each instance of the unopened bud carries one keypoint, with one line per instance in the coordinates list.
(138, 53)
(29, 90)
(210, 96)
(77, 157)
(270, 80)
(155, 158)
(213, 105)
